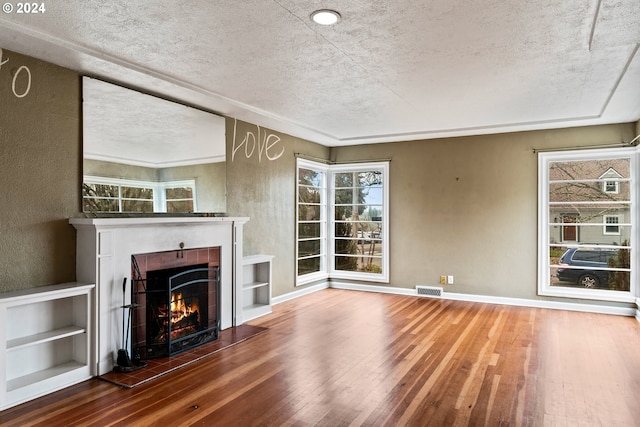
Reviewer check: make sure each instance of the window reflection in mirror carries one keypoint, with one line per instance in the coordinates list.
(143, 154)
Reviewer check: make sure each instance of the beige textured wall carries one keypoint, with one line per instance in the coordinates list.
(464, 206)
(467, 207)
(39, 174)
(264, 190)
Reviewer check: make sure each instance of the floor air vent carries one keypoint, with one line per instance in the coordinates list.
(429, 291)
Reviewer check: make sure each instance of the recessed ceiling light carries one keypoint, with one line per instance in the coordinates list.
(325, 17)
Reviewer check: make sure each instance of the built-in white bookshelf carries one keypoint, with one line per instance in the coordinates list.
(256, 286)
(45, 341)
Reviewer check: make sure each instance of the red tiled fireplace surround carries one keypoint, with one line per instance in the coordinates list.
(160, 327)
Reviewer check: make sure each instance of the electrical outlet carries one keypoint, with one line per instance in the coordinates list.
(449, 280)
(443, 280)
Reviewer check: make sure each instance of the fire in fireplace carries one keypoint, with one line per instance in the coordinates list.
(176, 308)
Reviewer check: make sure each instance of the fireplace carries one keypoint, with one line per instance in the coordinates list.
(176, 301)
(104, 250)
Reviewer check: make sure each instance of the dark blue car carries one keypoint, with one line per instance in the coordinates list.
(589, 261)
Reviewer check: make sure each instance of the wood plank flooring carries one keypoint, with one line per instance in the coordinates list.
(347, 358)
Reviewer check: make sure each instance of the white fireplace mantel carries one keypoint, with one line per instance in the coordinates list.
(103, 257)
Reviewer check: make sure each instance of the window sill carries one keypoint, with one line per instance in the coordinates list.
(588, 294)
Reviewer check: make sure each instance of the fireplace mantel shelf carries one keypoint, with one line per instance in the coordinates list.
(155, 221)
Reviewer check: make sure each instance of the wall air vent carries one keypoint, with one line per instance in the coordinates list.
(429, 291)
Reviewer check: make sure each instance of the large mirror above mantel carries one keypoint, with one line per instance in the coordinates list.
(146, 155)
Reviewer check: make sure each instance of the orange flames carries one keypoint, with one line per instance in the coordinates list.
(180, 309)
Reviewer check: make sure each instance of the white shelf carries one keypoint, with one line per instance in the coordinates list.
(45, 374)
(45, 341)
(253, 285)
(43, 337)
(256, 286)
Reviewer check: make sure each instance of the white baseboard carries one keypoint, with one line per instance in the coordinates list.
(554, 305)
(520, 302)
(371, 288)
(299, 293)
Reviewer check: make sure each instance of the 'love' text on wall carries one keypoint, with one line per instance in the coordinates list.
(21, 81)
(263, 144)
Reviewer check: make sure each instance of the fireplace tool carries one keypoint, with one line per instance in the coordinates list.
(123, 361)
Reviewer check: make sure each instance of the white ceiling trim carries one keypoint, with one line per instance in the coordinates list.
(157, 165)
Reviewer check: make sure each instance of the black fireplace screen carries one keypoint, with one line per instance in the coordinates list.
(176, 309)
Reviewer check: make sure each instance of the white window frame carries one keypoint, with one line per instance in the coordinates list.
(323, 271)
(357, 275)
(327, 265)
(544, 222)
(159, 189)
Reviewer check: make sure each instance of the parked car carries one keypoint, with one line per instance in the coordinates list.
(589, 259)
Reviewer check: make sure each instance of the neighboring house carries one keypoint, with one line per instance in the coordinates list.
(590, 202)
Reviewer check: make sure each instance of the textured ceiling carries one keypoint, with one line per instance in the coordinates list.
(129, 127)
(388, 71)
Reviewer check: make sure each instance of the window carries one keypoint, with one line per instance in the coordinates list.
(130, 196)
(359, 215)
(585, 228)
(611, 183)
(611, 224)
(177, 196)
(342, 221)
(311, 221)
(611, 187)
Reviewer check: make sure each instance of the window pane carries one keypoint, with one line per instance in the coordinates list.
(309, 212)
(343, 179)
(587, 192)
(308, 247)
(137, 206)
(586, 214)
(371, 248)
(308, 230)
(588, 235)
(358, 179)
(586, 267)
(346, 247)
(373, 213)
(137, 193)
(343, 212)
(308, 265)
(99, 190)
(359, 264)
(177, 206)
(589, 169)
(371, 196)
(310, 177)
(179, 193)
(344, 196)
(101, 205)
(308, 195)
(364, 212)
(345, 229)
(359, 230)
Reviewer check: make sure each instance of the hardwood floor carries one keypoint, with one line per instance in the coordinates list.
(346, 358)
